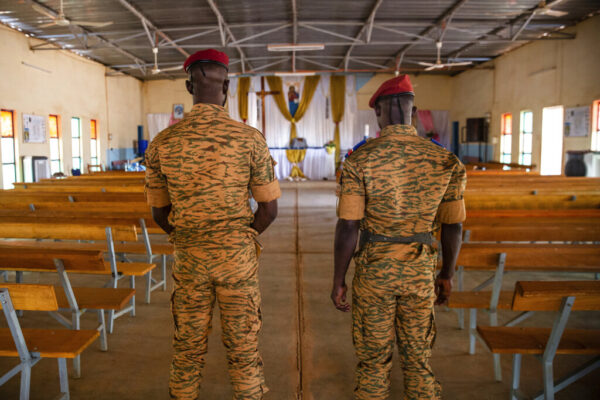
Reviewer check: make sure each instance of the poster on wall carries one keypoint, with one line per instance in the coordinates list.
(577, 121)
(178, 111)
(34, 128)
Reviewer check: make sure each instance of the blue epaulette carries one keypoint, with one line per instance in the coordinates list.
(436, 142)
(356, 147)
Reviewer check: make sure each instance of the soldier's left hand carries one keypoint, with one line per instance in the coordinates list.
(443, 288)
(338, 296)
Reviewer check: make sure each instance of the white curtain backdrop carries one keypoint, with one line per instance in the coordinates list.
(441, 126)
(316, 165)
(156, 123)
(232, 102)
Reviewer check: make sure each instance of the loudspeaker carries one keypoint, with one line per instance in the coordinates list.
(476, 130)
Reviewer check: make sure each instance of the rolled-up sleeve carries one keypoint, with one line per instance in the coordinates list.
(157, 194)
(452, 208)
(263, 183)
(352, 193)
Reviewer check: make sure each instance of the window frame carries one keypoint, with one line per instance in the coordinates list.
(58, 143)
(80, 158)
(522, 134)
(595, 146)
(505, 131)
(94, 143)
(14, 147)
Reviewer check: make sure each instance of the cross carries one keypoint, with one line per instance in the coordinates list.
(262, 95)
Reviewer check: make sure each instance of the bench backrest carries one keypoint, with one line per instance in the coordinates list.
(31, 297)
(530, 255)
(539, 202)
(66, 231)
(79, 188)
(548, 295)
(36, 257)
(9, 197)
(532, 232)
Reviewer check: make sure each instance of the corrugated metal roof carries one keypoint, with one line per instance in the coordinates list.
(476, 30)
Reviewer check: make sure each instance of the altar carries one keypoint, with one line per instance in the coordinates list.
(317, 164)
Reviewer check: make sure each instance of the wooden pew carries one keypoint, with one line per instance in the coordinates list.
(72, 231)
(79, 188)
(10, 198)
(31, 345)
(502, 258)
(499, 202)
(76, 300)
(546, 343)
(108, 217)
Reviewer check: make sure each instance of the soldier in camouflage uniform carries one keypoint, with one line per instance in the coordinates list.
(197, 179)
(398, 189)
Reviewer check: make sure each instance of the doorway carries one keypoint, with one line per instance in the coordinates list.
(552, 141)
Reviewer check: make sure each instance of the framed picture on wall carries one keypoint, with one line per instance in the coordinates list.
(177, 111)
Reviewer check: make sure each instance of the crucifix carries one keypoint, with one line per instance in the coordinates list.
(262, 95)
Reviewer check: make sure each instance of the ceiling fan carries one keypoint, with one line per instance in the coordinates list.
(61, 20)
(155, 70)
(438, 64)
(544, 9)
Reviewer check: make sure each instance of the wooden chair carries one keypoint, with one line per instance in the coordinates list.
(31, 345)
(546, 343)
(95, 168)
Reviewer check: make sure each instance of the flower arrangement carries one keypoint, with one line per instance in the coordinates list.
(330, 147)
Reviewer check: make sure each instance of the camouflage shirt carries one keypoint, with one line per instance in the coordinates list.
(203, 166)
(401, 184)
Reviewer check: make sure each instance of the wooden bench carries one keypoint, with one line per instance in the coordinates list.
(76, 300)
(502, 258)
(117, 270)
(112, 216)
(546, 343)
(503, 201)
(31, 345)
(79, 188)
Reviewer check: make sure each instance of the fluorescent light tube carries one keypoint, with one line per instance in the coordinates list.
(295, 47)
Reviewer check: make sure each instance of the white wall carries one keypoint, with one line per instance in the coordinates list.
(67, 85)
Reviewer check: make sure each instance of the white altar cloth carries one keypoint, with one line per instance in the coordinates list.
(317, 164)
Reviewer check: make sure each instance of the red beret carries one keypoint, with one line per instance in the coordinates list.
(398, 85)
(210, 55)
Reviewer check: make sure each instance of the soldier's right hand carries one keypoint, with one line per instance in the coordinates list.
(338, 296)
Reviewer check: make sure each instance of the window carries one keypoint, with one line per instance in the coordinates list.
(94, 145)
(596, 126)
(526, 134)
(55, 147)
(506, 139)
(76, 142)
(7, 135)
(552, 140)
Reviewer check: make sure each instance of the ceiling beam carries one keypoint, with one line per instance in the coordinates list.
(499, 28)
(223, 23)
(294, 32)
(448, 14)
(101, 39)
(149, 25)
(370, 20)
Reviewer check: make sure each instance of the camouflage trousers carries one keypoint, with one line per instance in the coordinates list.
(392, 301)
(202, 275)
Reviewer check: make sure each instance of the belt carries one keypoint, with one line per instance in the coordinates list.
(423, 237)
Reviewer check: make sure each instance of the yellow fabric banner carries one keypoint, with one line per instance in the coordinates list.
(310, 85)
(296, 157)
(337, 90)
(242, 95)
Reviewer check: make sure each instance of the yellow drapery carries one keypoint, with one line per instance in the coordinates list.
(337, 89)
(242, 95)
(310, 85)
(296, 157)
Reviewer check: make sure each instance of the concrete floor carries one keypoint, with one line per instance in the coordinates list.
(307, 349)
